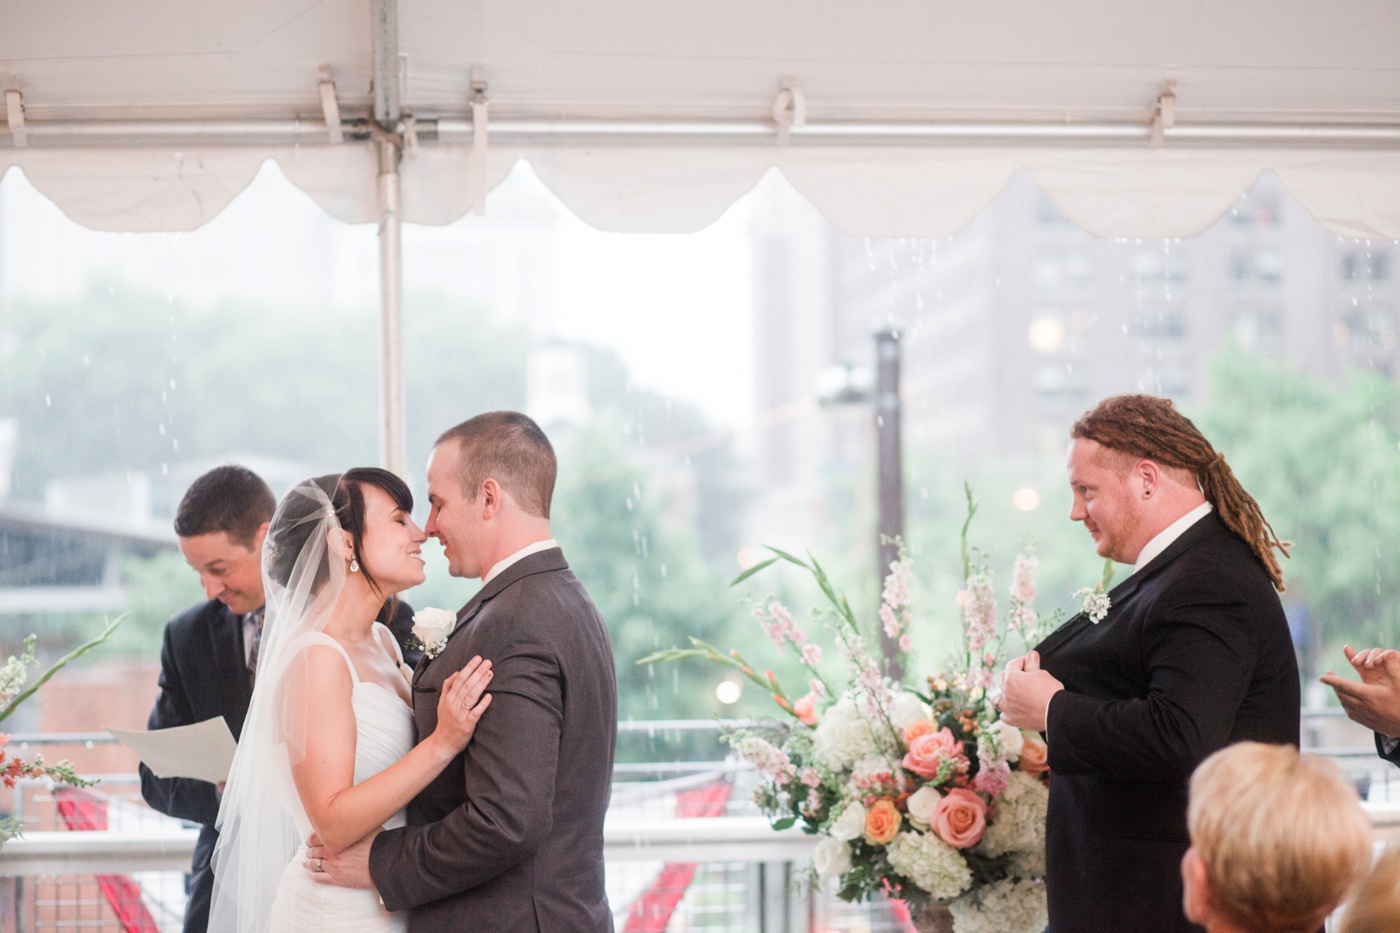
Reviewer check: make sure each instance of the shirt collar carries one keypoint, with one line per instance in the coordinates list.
(526, 551)
(1169, 534)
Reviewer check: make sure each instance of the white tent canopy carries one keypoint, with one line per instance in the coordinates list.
(894, 117)
(903, 117)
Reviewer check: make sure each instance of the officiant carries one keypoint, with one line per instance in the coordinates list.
(1193, 654)
(209, 651)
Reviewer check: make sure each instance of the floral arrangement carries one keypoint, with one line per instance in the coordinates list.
(14, 690)
(917, 791)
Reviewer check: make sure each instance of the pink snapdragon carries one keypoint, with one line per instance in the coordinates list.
(992, 778)
(779, 625)
(771, 761)
(979, 610)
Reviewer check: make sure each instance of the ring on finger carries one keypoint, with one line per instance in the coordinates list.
(320, 864)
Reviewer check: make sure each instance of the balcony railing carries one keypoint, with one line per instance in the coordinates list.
(685, 849)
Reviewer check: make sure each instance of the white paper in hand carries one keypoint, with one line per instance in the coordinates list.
(203, 751)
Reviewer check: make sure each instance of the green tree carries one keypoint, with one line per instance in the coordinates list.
(1324, 464)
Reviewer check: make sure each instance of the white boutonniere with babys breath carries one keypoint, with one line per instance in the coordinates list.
(1096, 601)
(431, 627)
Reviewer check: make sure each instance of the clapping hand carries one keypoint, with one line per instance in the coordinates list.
(1026, 693)
(1375, 701)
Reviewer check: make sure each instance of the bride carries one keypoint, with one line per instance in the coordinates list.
(328, 745)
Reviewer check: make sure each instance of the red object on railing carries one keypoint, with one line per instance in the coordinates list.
(82, 810)
(651, 912)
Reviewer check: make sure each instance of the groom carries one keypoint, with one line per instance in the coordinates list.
(1193, 655)
(509, 837)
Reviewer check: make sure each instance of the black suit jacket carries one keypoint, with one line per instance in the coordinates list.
(509, 838)
(203, 674)
(1193, 655)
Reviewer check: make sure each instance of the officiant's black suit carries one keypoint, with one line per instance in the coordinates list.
(1193, 655)
(509, 838)
(203, 674)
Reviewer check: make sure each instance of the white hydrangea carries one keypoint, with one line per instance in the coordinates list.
(907, 709)
(832, 858)
(1020, 818)
(1029, 863)
(1009, 906)
(842, 737)
(930, 863)
(850, 824)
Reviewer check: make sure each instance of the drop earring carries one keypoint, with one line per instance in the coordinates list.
(354, 565)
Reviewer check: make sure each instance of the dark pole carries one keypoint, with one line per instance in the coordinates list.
(889, 465)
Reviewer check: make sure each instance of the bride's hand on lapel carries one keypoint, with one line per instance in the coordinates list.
(461, 704)
(1026, 693)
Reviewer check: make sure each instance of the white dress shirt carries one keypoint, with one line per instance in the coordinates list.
(1169, 534)
(500, 565)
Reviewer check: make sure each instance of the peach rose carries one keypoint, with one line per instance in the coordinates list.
(959, 818)
(928, 750)
(805, 709)
(1035, 757)
(882, 822)
(922, 727)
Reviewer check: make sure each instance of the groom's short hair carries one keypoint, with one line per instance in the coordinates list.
(510, 448)
(232, 499)
(1282, 836)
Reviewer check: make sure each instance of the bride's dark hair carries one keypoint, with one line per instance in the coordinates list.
(295, 519)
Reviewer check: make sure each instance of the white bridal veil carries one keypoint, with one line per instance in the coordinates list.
(261, 821)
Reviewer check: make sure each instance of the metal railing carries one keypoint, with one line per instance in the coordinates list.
(728, 872)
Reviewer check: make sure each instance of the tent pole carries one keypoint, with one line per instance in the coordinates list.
(384, 15)
(393, 450)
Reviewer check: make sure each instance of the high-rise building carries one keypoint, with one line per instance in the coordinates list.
(1019, 323)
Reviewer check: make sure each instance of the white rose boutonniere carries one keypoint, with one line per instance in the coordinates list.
(1096, 603)
(431, 627)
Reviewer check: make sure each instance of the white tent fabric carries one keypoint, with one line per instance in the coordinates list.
(86, 71)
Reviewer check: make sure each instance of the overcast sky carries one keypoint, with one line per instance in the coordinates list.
(678, 308)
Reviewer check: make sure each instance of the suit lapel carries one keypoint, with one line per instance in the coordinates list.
(233, 660)
(539, 562)
(1118, 596)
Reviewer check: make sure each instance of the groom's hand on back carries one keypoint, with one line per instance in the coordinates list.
(346, 869)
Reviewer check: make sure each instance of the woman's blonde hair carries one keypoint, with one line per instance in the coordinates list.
(1376, 908)
(1282, 836)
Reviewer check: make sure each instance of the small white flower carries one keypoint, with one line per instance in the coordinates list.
(907, 709)
(431, 627)
(921, 804)
(1010, 740)
(850, 824)
(832, 858)
(1096, 603)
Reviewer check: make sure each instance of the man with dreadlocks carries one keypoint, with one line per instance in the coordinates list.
(1192, 655)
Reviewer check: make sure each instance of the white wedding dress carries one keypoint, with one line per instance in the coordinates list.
(383, 735)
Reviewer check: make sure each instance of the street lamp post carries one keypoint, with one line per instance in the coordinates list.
(889, 467)
(846, 384)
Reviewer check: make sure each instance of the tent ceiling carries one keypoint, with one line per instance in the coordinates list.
(900, 95)
(883, 60)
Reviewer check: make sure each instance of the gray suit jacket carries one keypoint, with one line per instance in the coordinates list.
(509, 837)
